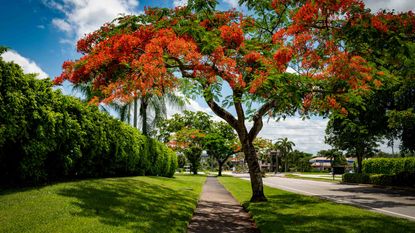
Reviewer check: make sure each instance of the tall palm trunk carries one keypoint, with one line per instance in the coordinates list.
(135, 112)
(143, 114)
(286, 164)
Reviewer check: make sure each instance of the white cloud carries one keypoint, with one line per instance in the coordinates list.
(191, 105)
(84, 16)
(65, 41)
(27, 65)
(177, 3)
(232, 3)
(398, 5)
(62, 25)
(308, 135)
(40, 26)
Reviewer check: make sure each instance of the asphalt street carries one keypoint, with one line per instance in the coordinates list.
(395, 202)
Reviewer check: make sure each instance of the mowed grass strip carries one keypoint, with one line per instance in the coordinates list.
(289, 212)
(293, 176)
(128, 204)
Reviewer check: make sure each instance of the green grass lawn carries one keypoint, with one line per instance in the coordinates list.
(328, 179)
(289, 212)
(315, 173)
(130, 204)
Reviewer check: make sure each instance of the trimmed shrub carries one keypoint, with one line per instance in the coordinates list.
(389, 165)
(382, 179)
(385, 171)
(360, 178)
(46, 136)
(391, 171)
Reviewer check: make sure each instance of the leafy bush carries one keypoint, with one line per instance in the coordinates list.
(391, 171)
(396, 172)
(389, 165)
(45, 136)
(356, 178)
(382, 179)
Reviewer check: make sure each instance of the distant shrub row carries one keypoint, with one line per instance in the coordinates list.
(46, 136)
(401, 179)
(385, 171)
(389, 166)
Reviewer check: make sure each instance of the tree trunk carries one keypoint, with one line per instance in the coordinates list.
(143, 114)
(359, 163)
(276, 167)
(246, 138)
(286, 165)
(254, 172)
(129, 114)
(220, 168)
(135, 112)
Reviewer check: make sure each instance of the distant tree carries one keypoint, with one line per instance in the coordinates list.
(263, 147)
(351, 135)
(300, 161)
(387, 40)
(336, 157)
(181, 160)
(285, 146)
(187, 119)
(221, 142)
(189, 141)
(185, 133)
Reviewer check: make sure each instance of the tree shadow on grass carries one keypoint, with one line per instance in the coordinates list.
(295, 213)
(392, 192)
(133, 204)
(367, 201)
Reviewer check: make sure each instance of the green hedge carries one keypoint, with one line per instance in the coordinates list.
(401, 179)
(46, 136)
(382, 179)
(389, 165)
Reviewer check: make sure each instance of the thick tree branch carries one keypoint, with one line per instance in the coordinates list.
(258, 119)
(184, 69)
(237, 101)
(218, 110)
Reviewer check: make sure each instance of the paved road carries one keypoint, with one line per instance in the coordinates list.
(399, 203)
(218, 211)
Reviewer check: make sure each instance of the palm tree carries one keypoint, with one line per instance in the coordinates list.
(285, 146)
(153, 109)
(334, 155)
(153, 105)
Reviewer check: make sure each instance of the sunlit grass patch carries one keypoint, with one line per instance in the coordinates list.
(129, 204)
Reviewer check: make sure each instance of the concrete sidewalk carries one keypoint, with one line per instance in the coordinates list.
(217, 211)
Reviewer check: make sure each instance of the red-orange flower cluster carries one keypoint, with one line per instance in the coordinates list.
(128, 64)
(379, 25)
(252, 57)
(232, 35)
(282, 57)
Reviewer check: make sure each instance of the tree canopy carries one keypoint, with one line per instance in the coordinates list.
(210, 49)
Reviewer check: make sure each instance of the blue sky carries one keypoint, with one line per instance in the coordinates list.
(42, 35)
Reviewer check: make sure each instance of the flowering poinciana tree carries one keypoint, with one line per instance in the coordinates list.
(136, 55)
